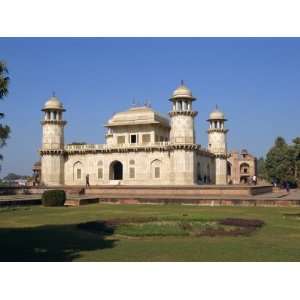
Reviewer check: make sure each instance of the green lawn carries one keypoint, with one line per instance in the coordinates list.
(51, 234)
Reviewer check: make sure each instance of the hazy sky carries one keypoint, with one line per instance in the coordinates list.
(256, 82)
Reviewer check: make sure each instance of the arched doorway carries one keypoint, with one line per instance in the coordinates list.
(245, 169)
(116, 170)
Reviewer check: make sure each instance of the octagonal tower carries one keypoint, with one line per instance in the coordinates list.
(182, 116)
(52, 159)
(217, 143)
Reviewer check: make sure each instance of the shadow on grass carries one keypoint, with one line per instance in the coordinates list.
(49, 243)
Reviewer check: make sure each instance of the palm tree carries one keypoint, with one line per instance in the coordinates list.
(4, 81)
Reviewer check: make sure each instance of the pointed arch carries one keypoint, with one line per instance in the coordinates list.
(116, 170)
(244, 168)
(77, 171)
(155, 167)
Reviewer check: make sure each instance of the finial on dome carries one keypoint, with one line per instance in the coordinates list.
(53, 103)
(182, 92)
(217, 114)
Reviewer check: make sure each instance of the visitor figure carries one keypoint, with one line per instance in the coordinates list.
(87, 181)
(254, 180)
(287, 186)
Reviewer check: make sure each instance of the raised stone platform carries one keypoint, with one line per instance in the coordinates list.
(177, 191)
(207, 201)
(280, 198)
(231, 195)
(81, 200)
(134, 191)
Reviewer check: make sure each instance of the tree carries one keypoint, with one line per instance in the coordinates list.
(261, 168)
(4, 81)
(279, 162)
(296, 158)
(13, 176)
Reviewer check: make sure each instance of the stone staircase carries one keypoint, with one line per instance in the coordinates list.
(77, 197)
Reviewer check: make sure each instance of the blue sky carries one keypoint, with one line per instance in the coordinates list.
(255, 81)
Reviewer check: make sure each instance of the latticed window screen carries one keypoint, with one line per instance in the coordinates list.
(157, 172)
(131, 172)
(100, 173)
(78, 173)
(121, 139)
(146, 138)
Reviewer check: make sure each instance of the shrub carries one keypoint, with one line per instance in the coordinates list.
(54, 198)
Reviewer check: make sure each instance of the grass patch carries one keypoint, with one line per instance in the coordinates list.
(292, 216)
(151, 229)
(39, 233)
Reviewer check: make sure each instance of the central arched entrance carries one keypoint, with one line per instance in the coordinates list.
(116, 170)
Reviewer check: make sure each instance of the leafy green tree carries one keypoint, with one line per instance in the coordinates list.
(261, 168)
(13, 176)
(279, 163)
(4, 81)
(296, 158)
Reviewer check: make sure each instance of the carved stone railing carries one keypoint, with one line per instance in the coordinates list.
(70, 149)
(83, 147)
(89, 147)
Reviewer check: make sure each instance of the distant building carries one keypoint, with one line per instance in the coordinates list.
(241, 167)
(142, 148)
(16, 182)
(36, 176)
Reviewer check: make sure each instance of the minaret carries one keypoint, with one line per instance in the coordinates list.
(217, 143)
(52, 151)
(182, 116)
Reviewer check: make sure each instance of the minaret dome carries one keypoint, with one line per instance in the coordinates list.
(53, 104)
(182, 92)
